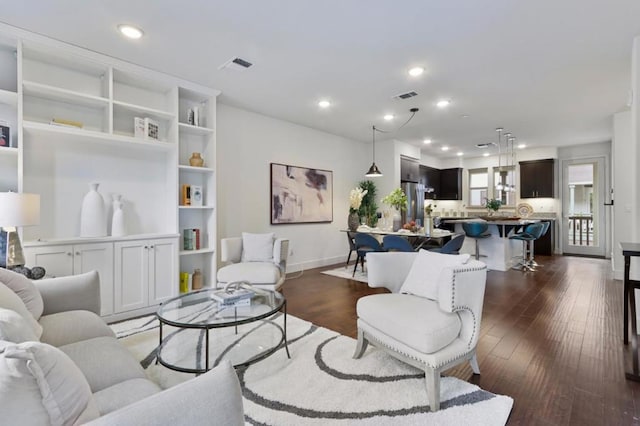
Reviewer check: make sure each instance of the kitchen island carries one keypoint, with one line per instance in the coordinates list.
(498, 249)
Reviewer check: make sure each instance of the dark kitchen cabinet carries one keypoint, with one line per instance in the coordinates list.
(430, 178)
(536, 179)
(450, 184)
(409, 170)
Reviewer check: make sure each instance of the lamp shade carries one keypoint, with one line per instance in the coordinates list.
(373, 171)
(19, 209)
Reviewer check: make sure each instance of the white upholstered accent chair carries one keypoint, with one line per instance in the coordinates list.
(433, 334)
(266, 271)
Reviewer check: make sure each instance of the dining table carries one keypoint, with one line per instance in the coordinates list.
(436, 238)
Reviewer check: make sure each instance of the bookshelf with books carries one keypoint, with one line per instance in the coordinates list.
(196, 170)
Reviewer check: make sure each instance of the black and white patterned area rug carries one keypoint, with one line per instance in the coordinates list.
(322, 384)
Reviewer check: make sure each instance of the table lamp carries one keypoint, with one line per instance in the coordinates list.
(16, 209)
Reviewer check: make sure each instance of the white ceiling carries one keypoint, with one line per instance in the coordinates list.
(550, 71)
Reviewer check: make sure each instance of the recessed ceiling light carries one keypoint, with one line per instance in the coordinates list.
(522, 145)
(416, 71)
(130, 31)
(459, 154)
(443, 103)
(464, 116)
(388, 117)
(324, 104)
(426, 141)
(486, 154)
(445, 148)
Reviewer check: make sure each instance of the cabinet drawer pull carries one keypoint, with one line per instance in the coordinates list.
(69, 253)
(77, 253)
(150, 247)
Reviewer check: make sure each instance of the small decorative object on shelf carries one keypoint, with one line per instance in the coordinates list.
(93, 221)
(193, 116)
(196, 195)
(145, 128)
(184, 282)
(66, 123)
(191, 239)
(118, 228)
(196, 280)
(5, 134)
(185, 199)
(196, 160)
(355, 199)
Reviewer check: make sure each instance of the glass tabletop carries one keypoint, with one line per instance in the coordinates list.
(200, 309)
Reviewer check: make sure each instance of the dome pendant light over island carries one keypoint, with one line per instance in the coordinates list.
(373, 170)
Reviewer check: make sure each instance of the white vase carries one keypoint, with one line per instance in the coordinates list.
(93, 221)
(397, 219)
(118, 228)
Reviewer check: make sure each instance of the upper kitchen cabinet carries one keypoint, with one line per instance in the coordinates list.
(450, 184)
(537, 178)
(409, 170)
(430, 178)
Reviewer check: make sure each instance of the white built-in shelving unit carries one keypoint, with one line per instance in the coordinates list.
(42, 80)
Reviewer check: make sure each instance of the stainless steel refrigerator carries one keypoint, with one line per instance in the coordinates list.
(415, 202)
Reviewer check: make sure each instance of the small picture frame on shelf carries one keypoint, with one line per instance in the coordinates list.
(5, 135)
(196, 195)
(146, 128)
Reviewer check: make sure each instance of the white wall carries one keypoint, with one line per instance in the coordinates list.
(624, 183)
(247, 144)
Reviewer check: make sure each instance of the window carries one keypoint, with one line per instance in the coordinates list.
(506, 178)
(478, 187)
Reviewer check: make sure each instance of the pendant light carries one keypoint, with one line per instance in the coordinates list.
(374, 171)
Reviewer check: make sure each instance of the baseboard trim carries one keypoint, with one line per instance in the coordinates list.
(316, 263)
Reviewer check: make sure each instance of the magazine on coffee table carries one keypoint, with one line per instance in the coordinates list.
(238, 293)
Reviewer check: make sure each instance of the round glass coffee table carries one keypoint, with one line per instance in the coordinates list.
(241, 334)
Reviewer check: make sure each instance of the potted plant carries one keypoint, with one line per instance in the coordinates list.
(396, 199)
(368, 208)
(493, 205)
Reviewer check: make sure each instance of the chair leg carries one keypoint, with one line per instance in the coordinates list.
(348, 258)
(361, 346)
(362, 263)
(355, 267)
(474, 364)
(433, 388)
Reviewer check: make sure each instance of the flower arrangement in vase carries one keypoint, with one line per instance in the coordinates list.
(493, 205)
(398, 200)
(355, 199)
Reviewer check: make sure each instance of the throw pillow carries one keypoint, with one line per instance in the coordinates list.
(424, 275)
(257, 247)
(14, 328)
(10, 300)
(40, 384)
(25, 289)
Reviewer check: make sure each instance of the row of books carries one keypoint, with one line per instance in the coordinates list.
(191, 195)
(191, 239)
(187, 282)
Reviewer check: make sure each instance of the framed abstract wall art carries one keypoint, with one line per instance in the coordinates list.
(300, 195)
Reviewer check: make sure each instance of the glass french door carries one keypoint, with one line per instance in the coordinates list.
(583, 207)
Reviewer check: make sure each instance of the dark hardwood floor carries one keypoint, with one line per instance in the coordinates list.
(552, 340)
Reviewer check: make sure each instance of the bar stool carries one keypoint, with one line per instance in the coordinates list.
(476, 230)
(531, 232)
(545, 229)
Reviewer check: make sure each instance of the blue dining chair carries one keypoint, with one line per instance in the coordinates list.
(365, 243)
(396, 243)
(452, 246)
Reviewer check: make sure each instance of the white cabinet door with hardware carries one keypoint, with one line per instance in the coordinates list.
(131, 280)
(98, 257)
(163, 272)
(56, 260)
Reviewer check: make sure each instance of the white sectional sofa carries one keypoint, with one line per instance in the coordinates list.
(60, 364)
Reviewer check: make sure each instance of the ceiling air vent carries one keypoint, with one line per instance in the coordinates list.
(485, 145)
(236, 63)
(406, 95)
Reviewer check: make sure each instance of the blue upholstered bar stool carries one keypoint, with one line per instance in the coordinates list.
(531, 232)
(476, 230)
(545, 229)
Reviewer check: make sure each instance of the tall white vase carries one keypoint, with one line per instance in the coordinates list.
(118, 228)
(93, 220)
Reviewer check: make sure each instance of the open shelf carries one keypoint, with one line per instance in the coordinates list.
(201, 251)
(8, 98)
(195, 207)
(8, 151)
(195, 169)
(194, 130)
(32, 128)
(63, 95)
(154, 113)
